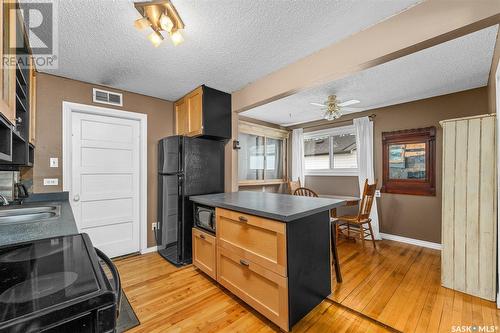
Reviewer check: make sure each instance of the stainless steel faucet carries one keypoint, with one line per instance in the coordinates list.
(3, 200)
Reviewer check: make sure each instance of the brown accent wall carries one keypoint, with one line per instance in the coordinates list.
(417, 217)
(53, 90)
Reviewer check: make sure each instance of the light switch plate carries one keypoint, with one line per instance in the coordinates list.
(54, 162)
(377, 194)
(50, 181)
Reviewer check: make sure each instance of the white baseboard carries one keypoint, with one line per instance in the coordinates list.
(418, 242)
(149, 249)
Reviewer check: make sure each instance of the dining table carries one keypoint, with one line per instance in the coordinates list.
(348, 201)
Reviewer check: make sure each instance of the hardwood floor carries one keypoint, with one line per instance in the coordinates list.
(398, 285)
(168, 299)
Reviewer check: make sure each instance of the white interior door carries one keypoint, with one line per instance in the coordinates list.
(105, 181)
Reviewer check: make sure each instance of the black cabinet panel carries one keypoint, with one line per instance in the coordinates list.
(216, 114)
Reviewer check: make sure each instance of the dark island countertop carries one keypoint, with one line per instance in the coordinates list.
(281, 207)
(64, 224)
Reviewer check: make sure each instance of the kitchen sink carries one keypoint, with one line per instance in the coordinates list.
(29, 214)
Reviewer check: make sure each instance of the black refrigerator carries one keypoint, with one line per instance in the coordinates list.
(186, 166)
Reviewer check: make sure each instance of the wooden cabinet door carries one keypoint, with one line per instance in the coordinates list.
(195, 112)
(204, 247)
(181, 117)
(7, 73)
(260, 240)
(264, 290)
(32, 103)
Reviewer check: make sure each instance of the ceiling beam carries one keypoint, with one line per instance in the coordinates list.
(425, 25)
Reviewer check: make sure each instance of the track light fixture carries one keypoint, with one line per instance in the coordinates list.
(160, 15)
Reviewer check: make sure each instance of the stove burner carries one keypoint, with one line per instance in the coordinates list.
(28, 253)
(42, 286)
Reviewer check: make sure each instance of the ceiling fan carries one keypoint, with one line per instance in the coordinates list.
(333, 107)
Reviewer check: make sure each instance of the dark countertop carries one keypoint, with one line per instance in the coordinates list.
(11, 233)
(281, 207)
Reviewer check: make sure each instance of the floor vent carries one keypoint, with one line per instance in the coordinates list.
(107, 97)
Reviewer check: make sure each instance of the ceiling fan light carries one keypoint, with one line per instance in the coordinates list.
(332, 115)
(156, 38)
(177, 38)
(166, 23)
(142, 23)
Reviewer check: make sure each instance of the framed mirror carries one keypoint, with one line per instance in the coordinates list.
(408, 159)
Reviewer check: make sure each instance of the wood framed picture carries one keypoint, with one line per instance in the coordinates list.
(409, 161)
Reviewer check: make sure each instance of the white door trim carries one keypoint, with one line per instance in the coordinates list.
(68, 108)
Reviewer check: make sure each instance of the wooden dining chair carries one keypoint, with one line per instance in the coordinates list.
(293, 185)
(305, 192)
(345, 222)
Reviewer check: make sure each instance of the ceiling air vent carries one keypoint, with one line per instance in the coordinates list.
(107, 97)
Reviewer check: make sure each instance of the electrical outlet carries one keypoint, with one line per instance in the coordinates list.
(153, 226)
(54, 162)
(377, 194)
(50, 181)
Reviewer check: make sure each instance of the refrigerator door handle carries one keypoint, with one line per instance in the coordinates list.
(180, 185)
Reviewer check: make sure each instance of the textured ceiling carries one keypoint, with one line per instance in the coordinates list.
(460, 64)
(228, 43)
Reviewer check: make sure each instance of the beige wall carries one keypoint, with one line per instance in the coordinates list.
(410, 216)
(53, 90)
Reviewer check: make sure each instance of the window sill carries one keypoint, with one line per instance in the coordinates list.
(261, 182)
(336, 173)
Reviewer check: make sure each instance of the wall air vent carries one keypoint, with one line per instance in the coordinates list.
(107, 97)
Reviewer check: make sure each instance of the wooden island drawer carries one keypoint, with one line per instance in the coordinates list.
(204, 252)
(254, 238)
(264, 290)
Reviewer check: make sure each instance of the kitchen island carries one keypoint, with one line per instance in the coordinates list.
(271, 250)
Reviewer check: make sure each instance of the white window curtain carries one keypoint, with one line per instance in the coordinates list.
(298, 155)
(364, 142)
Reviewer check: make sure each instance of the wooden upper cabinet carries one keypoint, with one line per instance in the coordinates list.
(204, 112)
(195, 112)
(181, 117)
(8, 74)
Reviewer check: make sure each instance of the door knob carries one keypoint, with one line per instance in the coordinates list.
(76, 197)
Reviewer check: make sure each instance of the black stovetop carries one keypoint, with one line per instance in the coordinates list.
(38, 275)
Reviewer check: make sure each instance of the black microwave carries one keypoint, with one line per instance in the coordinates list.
(204, 217)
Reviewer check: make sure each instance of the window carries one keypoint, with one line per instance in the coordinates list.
(331, 152)
(409, 162)
(262, 154)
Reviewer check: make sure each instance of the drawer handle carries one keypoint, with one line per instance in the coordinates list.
(242, 219)
(244, 262)
(202, 236)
